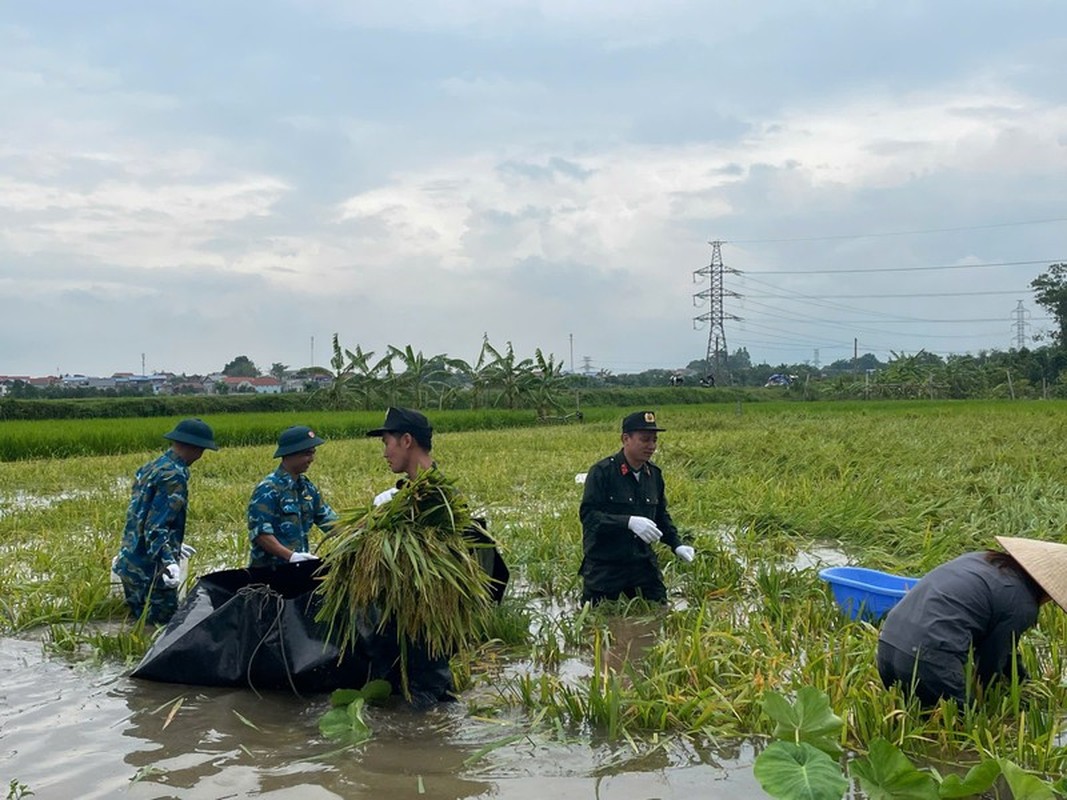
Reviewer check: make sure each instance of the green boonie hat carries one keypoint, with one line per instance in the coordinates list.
(297, 439)
(640, 421)
(195, 432)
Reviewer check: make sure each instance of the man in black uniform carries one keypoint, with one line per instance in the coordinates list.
(623, 512)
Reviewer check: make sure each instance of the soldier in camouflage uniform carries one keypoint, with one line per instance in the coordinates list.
(286, 503)
(152, 542)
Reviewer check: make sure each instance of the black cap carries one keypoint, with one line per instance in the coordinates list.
(297, 439)
(640, 421)
(195, 432)
(403, 420)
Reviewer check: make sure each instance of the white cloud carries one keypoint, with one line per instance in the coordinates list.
(620, 213)
(505, 176)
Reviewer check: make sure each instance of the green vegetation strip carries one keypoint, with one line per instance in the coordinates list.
(900, 487)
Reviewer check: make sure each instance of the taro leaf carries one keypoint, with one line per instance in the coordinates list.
(377, 691)
(374, 691)
(1025, 786)
(788, 771)
(887, 774)
(979, 778)
(346, 724)
(810, 719)
(342, 698)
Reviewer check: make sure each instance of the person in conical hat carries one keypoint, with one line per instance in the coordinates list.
(978, 603)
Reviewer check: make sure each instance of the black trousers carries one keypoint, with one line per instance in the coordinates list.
(927, 679)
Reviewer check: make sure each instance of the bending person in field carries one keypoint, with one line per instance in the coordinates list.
(285, 504)
(978, 603)
(623, 513)
(407, 439)
(153, 540)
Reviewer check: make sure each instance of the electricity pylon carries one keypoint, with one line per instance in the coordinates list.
(715, 357)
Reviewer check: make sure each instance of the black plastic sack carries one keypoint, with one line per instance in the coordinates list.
(256, 627)
(253, 627)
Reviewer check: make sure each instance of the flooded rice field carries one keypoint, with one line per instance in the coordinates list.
(75, 730)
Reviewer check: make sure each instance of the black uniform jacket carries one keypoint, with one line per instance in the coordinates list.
(612, 553)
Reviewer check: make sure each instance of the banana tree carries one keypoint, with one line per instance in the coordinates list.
(547, 382)
(336, 394)
(512, 377)
(421, 375)
(365, 379)
(476, 374)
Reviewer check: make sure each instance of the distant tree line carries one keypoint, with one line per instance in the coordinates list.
(500, 378)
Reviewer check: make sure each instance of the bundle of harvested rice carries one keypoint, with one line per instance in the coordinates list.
(409, 558)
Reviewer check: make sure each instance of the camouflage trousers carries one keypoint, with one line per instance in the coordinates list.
(160, 601)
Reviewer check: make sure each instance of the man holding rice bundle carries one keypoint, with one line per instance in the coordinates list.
(153, 540)
(286, 503)
(623, 513)
(408, 439)
(401, 578)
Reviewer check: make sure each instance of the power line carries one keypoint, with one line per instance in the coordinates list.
(900, 269)
(888, 296)
(897, 233)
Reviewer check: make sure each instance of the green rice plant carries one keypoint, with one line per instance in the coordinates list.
(410, 560)
(899, 487)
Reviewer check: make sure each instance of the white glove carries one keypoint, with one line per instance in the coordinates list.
(169, 576)
(685, 552)
(187, 550)
(385, 496)
(297, 557)
(644, 529)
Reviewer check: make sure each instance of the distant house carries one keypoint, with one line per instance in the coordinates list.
(264, 384)
(154, 382)
(7, 380)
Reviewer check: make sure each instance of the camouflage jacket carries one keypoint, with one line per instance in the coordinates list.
(285, 508)
(155, 519)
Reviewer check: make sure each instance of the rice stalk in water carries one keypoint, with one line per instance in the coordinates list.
(409, 558)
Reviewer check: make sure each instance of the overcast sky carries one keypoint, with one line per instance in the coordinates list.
(199, 180)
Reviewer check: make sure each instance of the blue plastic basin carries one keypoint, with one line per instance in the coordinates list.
(866, 593)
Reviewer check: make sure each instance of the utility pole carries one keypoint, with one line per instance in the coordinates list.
(587, 365)
(1020, 316)
(572, 352)
(142, 364)
(815, 362)
(715, 356)
(312, 352)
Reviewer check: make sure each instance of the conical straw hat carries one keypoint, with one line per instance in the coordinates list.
(1046, 563)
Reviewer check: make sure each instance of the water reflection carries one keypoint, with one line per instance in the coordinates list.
(20, 500)
(86, 731)
(233, 741)
(629, 638)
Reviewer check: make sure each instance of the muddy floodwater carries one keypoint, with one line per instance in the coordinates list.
(77, 730)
